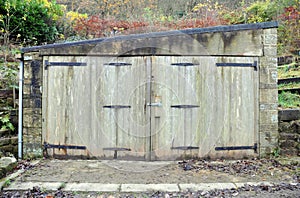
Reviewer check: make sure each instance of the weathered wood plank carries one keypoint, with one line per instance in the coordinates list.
(74, 98)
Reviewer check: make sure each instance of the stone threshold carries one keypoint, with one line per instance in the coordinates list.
(129, 188)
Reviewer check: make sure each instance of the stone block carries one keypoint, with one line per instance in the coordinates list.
(268, 75)
(4, 142)
(272, 106)
(32, 102)
(270, 62)
(285, 144)
(32, 111)
(265, 151)
(32, 133)
(268, 96)
(26, 89)
(27, 72)
(268, 86)
(10, 148)
(32, 150)
(270, 39)
(289, 136)
(289, 152)
(289, 114)
(269, 139)
(289, 127)
(270, 31)
(268, 117)
(34, 120)
(269, 127)
(269, 135)
(268, 142)
(5, 132)
(270, 51)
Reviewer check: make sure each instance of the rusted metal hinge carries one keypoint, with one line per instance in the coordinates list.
(185, 147)
(184, 64)
(116, 106)
(47, 64)
(184, 106)
(230, 148)
(255, 65)
(58, 146)
(117, 64)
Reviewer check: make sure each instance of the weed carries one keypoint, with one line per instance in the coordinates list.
(276, 152)
(288, 100)
(5, 122)
(7, 183)
(289, 85)
(62, 185)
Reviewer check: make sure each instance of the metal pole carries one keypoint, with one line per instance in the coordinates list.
(20, 122)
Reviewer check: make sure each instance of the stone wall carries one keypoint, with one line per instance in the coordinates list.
(9, 138)
(8, 142)
(268, 95)
(289, 138)
(289, 132)
(32, 106)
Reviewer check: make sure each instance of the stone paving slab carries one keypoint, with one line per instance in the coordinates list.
(206, 186)
(238, 185)
(92, 187)
(17, 186)
(128, 188)
(149, 187)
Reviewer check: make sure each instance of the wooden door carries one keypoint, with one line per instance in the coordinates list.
(151, 108)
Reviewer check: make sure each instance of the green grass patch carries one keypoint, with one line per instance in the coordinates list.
(288, 100)
(288, 71)
(289, 86)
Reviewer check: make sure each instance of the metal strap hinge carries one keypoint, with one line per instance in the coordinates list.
(185, 147)
(183, 64)
(117, 64)
(58, 146)
(47, 64)
(116, 106)
(230, 148)
(184, 106)
(255, 65)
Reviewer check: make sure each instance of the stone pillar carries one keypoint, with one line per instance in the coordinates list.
(32, 106)
(268, 95)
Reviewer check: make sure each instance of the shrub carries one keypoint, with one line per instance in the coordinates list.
(29, 21)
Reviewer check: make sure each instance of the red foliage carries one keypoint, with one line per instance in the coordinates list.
(290, 13)
(95, 27)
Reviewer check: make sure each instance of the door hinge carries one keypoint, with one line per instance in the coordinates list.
(184, 64)
(47, 64)
(185, 147)
(117, 64)
(116, 106)
(230, 148)
(255, 65)
(184, 106)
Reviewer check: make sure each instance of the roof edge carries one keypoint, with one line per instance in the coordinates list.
(223, 28)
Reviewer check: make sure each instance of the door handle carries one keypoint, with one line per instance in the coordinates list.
(156, 104)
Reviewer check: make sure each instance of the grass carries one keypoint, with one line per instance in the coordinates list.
(288, 71)
(289, 86)
(288, 100)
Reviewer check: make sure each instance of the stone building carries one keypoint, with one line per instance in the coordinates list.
(207, 93)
